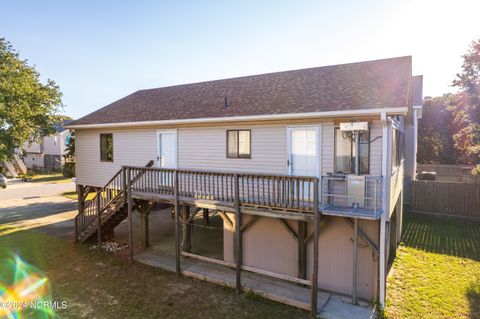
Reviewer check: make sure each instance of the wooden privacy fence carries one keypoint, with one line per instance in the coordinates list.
(450, 198)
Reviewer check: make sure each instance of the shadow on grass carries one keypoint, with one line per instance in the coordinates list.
(444, 235)
(473, 295)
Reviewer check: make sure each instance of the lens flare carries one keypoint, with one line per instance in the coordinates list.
(24, 291)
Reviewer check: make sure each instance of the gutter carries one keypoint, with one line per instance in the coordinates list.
(361, 112)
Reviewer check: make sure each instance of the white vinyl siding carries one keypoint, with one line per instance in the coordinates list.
(130, 147)
(204, 148)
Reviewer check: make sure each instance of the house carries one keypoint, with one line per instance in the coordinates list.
(411, 135)
(280, 158)
(48, 153)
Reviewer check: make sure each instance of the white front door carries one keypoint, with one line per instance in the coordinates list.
(167, 149)
(303, 151)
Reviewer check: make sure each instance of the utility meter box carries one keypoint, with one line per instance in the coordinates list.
(354, 126)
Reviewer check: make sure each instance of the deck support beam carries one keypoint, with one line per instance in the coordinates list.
(177, 228)
(302, 250)
(187, 228)
(316, 232)
(144, 223)
(251, 221)
(81, 206)
(364, 236)
(355, 261)
(226, 219)
(130, 213)
(288, 228)
(206, 220)
(99, 222)
(238, 231)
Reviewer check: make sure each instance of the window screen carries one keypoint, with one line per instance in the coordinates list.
(345, 152)
(238, 144)
(106, 147)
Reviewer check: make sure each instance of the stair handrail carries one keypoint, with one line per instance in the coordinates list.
(108, 186)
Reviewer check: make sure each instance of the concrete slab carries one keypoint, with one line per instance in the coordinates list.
(269, 288)
(338, 307)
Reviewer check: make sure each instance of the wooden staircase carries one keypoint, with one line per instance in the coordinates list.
(109, 202)
(10, 169)
(20, 165)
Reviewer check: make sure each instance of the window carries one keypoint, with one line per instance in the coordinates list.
(345, 152)
(238, 144)
(106, 147)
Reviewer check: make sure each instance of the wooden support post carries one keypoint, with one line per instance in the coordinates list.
(81, 207)
(186, 229)
(302, 250)
(177, 228)
(316, 233)
(130, 215)
(206, 221)
(238, 230)
(81, 198)
(355, 260)
(124, 184)
(144, 225)
(99, 222)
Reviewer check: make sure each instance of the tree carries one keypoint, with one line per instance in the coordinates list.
(435, 140)
(467, 110)
(28, 108)
(69, 166)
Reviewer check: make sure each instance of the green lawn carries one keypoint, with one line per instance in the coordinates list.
(54, 178)
(99, 285)
(437, 270)
(73, 195)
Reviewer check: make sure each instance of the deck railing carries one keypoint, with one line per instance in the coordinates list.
(257, 190)
(102, 199)
(352, 195)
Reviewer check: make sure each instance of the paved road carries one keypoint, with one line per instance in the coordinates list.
(39, 206)
(17, 189)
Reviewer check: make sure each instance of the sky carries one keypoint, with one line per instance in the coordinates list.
(100, 51)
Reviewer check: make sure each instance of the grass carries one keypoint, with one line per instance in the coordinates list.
(73, 195)
(437, 270)
(55, 178)
(99, 285)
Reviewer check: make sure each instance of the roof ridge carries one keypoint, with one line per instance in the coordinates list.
(276, 72)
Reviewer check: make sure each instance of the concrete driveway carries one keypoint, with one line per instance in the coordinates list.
(39, 206)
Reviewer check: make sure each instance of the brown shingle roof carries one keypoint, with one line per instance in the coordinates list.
(363, 85)
(417, 90)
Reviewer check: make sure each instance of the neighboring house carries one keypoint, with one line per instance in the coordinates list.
(257, 148)
(411, 135)
(49, 152)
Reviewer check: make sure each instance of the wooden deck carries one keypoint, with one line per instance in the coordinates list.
(274, 196)
(278, 196)
(273, 289)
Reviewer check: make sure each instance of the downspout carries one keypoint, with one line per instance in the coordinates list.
(415, 143)
(385, 205)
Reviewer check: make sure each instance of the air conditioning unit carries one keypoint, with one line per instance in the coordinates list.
(356, 191)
